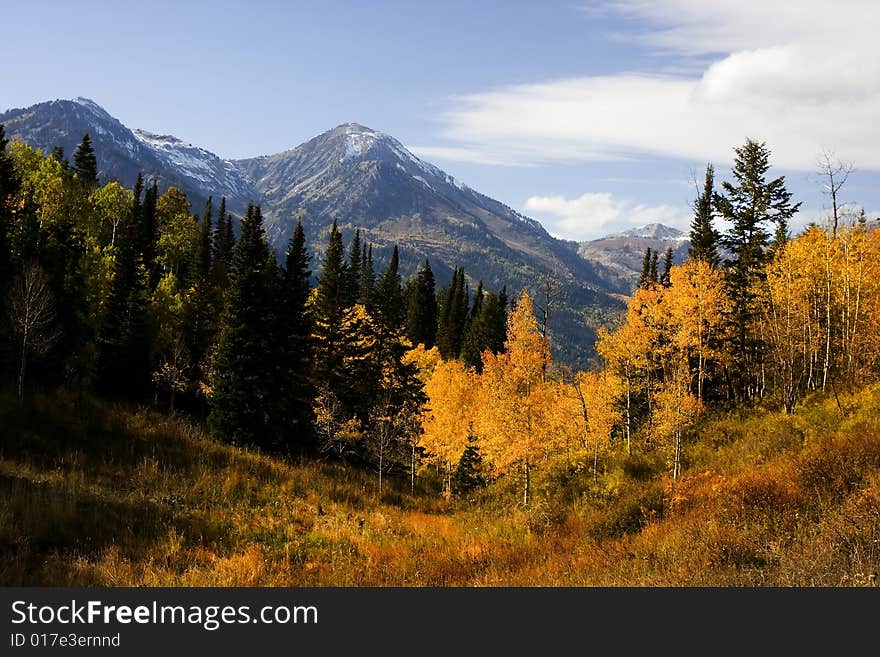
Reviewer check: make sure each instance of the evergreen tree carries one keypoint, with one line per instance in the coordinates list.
(202, 255)
(149, 233)
(58, 154)
(750, 204)
(452, 316)
(487, 328)
(329, 307)
(353, 274)
(475, 333)
(389, 294)
(223, 244)
(367, 283)
(85, 164)
(652, 273)
(244, 364)
(421, 315)
(123, 343)
(704, 238)
(202, 301)
(295, 328)
(477, 305)
(667, 267)
(8, 189)
(469, 474)
(645, 277)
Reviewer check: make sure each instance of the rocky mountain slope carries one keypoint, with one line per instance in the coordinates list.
(619, 257)
(366, 179)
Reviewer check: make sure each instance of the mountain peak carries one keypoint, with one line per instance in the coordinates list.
(89, 105)
(655, 231)
(353, 127)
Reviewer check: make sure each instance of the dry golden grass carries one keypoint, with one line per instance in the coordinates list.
(113, 496)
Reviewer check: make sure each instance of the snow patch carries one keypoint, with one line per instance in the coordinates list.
(424, 182)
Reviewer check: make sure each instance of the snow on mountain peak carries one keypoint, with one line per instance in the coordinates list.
(654, 231)
(90, 105)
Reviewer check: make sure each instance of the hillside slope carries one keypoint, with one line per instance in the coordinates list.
(99, 495)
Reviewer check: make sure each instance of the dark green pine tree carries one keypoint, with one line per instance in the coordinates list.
(149, 234)
(452, 316)
(85, 164)
(704, 238)
(353, 273)
(8, 189)
(667, 267)
(421, 314)
(124, 339)
(294, 388)
(226, 244)
(475, 333)
(389, 294)
(750, 204)
(469, 474)
(487, 328)
(202, 303)
(367, 283)
(137, 211)
(645, 277)
(328, 312)
(245, 362)
(58, 155)
(652, 273)
(477, 305)
(495, 312)
(222, 248)
(202, 257)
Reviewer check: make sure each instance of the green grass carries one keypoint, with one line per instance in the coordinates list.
(112, 495)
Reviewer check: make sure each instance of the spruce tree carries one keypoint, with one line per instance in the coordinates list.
(469, 474)
(294, 334)
(704, 238)
(353, 273)
(421, 315)
(367, 283)
(652, 273)
(487, 328)
(645, 277)
(495, 311)
(149, 233)
(123, 342)
(329, 307)
(452, 316)
(475, 335)
(204, 247)
(85, 164)
(750, 204)
(202, 303)
(389, 294)
(57, 154)
(245, 362)
(667, 267)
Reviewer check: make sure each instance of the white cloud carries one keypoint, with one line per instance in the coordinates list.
(801, 76)
(596, 214)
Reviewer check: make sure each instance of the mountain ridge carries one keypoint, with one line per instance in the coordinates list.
(362, 179)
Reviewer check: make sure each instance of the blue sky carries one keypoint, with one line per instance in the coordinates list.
(589, 116)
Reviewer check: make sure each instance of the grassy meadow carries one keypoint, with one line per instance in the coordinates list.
(100, 495)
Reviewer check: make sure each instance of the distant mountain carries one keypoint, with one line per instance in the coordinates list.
(367, 179)
(363, 179)
(123, 152)
(619, 256)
